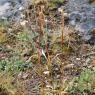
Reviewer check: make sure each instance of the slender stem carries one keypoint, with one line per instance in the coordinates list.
(39, 52)
(62, 21)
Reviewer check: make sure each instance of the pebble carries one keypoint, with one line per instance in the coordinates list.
(78, 59)
(48, 86)
(23, 23)
(46, 72)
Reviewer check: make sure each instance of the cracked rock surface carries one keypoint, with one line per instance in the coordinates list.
(82, 18)
(12, 9)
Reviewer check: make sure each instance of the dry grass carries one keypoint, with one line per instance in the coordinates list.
(46, 40)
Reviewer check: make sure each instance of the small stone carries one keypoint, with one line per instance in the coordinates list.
(66, 14)
(48, 86)
(22, 15)
(60, 10)
(58, 76)
(46, 72)
(21, 8)
(78, 59)
(3, 18)
(56, 69)
(25, 76)
(20, 75)
(23, 23)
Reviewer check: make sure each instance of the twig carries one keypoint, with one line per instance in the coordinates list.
(88, 54)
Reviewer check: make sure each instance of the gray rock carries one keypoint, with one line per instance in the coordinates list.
(11, 9)
(74, 5)
(82, 17)
(86, 26)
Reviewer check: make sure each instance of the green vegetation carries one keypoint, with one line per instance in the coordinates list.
(44, 56)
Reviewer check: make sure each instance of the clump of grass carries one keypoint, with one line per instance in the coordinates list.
(85, 83)
(3, 91)
(54, 3)
(39, 41)
(13, 71)
(3, 36)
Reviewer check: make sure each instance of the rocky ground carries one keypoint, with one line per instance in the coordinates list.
(47, 48)
(82, 17)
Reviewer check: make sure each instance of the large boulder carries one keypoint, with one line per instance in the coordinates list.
(82, 18)
(11, 9)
